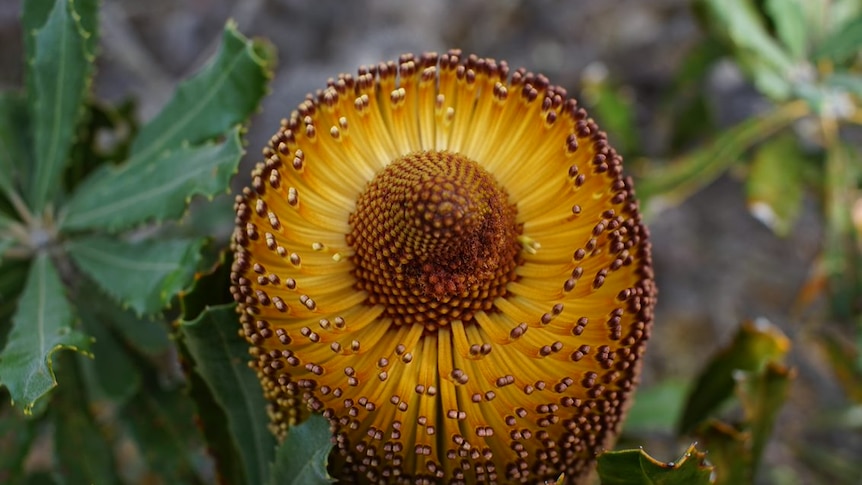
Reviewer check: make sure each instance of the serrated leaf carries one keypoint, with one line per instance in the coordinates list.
(636, 467)
(774, 185)
(755, 344)
(14, 139)
(762, 394)
(221, 359)
(144, 275)
(302, 458)
(82, 453)
(147, 336)
(41, 326)
(12, 276)
(672, 183)
(729, 452)
(843, 44)
(87, 12)
(790, 24)
(115, 198)
(222, 95)
(739, 20)
(60, 69)
(34, 14)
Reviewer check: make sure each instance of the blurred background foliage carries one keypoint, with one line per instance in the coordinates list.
(740, 119)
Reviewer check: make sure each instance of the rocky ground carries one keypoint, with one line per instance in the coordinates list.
(716, 265)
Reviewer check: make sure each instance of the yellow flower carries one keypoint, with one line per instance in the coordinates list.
(443, 257)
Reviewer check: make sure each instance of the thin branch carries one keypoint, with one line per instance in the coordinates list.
(18, 252)
(21, 207)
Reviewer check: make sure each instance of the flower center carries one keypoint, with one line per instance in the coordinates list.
(435, 239)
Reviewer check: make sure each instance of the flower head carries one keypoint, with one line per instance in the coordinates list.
(444, 259)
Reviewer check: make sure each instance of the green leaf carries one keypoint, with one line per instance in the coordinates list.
(843, 44)
(221, 359)
(115, 198)
(88, 15)
(772, 83)
(15, 151)
(636, 467)
(740, 21)
(656, 408)
(12, 276)
(34, 14)
(754, 345)
(148, 336)
(5, 244)
(614, 109)
(41, 478)
(110, 374)
(145, 275)
(41, 326)
(77, 435)
(16, 436)
(846, 81)
(775, 183)
(162, 425)
(736, 450)
(839, 13)
(5, 222)
(842, 262)
(210, 416)
(729, 451)
(670, 184)
(762, 394)
(790, 24)
(221, 96)
(61, 69)
(302, 458)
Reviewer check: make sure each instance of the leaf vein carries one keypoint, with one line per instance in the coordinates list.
(101, 211)
(148, 266)
(181, 124)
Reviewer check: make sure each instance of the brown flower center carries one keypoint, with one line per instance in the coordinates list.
(435, 239)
